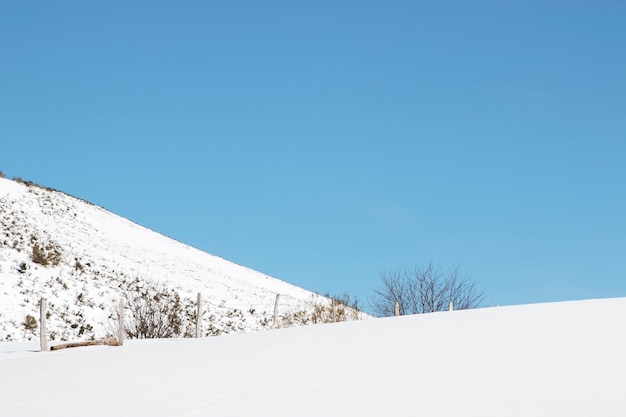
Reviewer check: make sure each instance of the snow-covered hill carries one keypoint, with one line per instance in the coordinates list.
(553, 360)
(92, 254)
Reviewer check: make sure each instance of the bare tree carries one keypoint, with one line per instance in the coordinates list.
(424, 290)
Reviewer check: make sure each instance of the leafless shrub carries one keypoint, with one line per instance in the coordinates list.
(155, 311)
(425, 290)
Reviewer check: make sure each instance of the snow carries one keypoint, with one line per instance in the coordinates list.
(101, 252)
(559, 359)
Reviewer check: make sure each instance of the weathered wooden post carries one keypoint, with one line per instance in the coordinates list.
(451, 306)
(396, 311)
(334, 312)
(120, 323)
(43, 337)
(199, 317)
(275, 323)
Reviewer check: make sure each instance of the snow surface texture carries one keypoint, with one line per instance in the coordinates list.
(98, 253)
(560, 359)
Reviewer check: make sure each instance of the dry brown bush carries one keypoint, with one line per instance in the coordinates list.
(46, 254)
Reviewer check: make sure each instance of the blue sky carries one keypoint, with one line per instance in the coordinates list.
(324, 142)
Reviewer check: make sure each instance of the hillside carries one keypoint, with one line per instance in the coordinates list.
(557, 360)
(81, 257)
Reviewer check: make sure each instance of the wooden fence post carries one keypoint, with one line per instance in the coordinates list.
(120, 323)
(451, 306)
(43, 336)
(334, 312)
(199, 317)
(396, 311)
(275, 323)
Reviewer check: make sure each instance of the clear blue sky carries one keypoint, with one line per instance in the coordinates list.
(324, 142)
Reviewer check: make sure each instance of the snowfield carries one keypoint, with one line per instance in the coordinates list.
(559, 359)
(94, 254)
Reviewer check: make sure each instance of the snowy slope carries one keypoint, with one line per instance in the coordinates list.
(99, 253)
(556, 360)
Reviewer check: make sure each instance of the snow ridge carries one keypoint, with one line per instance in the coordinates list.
(92, 254)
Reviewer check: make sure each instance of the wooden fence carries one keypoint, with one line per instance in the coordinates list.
(119, 340)
(43, 331)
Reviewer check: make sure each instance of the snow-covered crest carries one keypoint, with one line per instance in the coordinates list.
(91, 253)
(559, 359)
